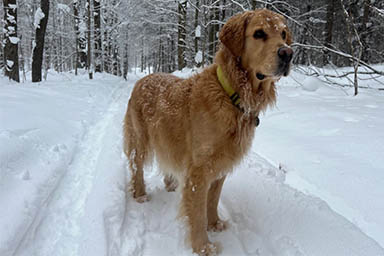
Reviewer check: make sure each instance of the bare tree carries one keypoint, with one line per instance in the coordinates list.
(197, 33)
(89, 63)
(356, 50)
(97, 21)
(11, 48)
(41, 20)
(181, 33)
(329, 28)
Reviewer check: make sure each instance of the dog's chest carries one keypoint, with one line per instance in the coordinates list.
(243, 135)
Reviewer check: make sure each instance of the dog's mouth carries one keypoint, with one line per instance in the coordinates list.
(260, 76)
(283, 69)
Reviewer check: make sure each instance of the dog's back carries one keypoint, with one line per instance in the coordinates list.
(156, 121)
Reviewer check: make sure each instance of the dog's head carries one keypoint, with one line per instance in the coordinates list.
(261, 40)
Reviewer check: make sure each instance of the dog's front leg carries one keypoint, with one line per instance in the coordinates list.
(214, 222)
(194, 207)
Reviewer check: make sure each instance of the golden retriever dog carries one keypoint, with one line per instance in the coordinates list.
(199, 128)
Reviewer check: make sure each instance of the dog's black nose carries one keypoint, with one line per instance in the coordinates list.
(285, 54)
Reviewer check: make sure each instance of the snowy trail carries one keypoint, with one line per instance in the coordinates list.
(266, 218)
(89, 213)
(57, 229)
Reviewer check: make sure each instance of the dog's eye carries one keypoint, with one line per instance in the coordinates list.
(284, 35)
(259, 34)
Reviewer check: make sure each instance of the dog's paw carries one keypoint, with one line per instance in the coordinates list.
(210, 249)
(218, 226)
(171, 187)
(170, 183)
(142, 199)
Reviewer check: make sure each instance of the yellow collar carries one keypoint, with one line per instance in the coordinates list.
(234, 96)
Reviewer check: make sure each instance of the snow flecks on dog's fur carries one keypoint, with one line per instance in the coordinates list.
(193, 128)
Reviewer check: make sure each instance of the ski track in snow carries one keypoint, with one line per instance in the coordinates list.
(90, 213)
(55, 230)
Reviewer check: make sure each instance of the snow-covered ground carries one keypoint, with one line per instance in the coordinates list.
(63, 175)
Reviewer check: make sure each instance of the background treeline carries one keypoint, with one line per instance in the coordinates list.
(166, 35)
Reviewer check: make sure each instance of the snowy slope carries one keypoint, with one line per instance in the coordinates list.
(332, 146)
(63, 176)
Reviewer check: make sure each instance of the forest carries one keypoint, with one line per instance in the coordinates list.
(115, 36)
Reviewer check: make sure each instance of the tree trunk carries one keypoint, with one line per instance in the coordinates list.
(55, 45)
(158, 63)
(60, 56)
(253, 4)
(356, 52)
(181, 34)
(142, 56)
(77, 35)
(126, 62)
(22, 62)
(197, 32)
(11, 48)
(364, 31)
(211, 37)
(97, 20)
(106, 50)
(38, 51)
(48, 57)
(329, 29)
(126, 56)
(214, 28)
(89, 64)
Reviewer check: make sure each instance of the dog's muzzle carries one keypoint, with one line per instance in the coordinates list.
(285, 55)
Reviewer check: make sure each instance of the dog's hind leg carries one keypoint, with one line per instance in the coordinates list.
(136, 150)
(214, 222)
(136, 164)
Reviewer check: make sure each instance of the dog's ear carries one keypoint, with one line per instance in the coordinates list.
(232, 35)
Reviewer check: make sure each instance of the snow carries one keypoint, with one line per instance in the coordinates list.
(11, 18)
(10, 63)
(33, 45)
(64, 8)
(316, 21)
(311, 185)
(339, 141)
(311, 84)
(12, 6)
(14, 40)
(39, 15)
(11, 29)
(82, 27)
(199, 57)
(198, 31)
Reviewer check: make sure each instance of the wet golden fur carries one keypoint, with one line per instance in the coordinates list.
(192, 127)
